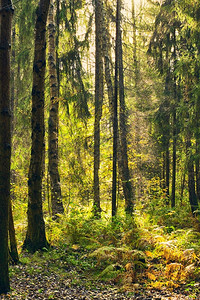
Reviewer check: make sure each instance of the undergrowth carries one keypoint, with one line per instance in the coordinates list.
(157, 249)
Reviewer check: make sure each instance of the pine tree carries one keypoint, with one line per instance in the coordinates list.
(53, 123)
(35, 235)
(6, 13)
(98, 103)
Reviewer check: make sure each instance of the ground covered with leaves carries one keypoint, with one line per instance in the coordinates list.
(75, 273)
(144, 257)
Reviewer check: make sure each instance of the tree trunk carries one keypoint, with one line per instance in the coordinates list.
(107, 62)
(167, 133)
(197, 169)
(35, 235)
(125, 173)
(57, 43)
(167, 176)
(174, 161)
(6, 13)
(53, 123)
(115, 114)
(98, 103)
(135, 64)
(191, 179)
(13, 243)
(174, 125)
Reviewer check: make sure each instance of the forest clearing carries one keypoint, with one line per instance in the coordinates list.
(100, 149)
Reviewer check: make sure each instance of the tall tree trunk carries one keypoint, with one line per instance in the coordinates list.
(197, 130)
(174, 126)
(35, 235)
(107, 60)
(174, 161)
(57, 43)
(53, 123)
(125, 173)
(115, 114)
(191, 179)
(197, 171)
(13, 243)
(6, 13)
(98, 104)
(167, 134)
(135, 64)
(167, 164)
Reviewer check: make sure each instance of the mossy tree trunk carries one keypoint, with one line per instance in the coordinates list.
(6, 13)
(35, 235)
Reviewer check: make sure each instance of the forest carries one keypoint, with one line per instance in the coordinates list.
(100, 149)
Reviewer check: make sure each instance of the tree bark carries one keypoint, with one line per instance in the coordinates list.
(98, 104)
(57, 43)
(191, 178)
(107, 62)
(35, 235)
(125, 173)
(115, 115)
(53, 122)
(135, 63)
(6, 13)
(173, 200)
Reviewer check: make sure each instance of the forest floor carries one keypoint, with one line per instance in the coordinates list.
(67, 275)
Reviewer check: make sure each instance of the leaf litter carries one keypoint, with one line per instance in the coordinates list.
(55, 279)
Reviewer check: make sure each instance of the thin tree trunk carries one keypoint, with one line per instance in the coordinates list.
(191, 179)
(107, 62)
(197, 132)
(174, 161)
(197, 171)
(163, 171)
(53, 123)
(167, 176)
(98, 104)
(35, 235)
(115, 115)
(125, 173)
(174, 126)
(57, 43)
(135, 63)
(13, 243)
(6, 13)
(182, 185)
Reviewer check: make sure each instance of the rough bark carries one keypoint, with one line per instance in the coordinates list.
(35, 235)
(53, 123)
(125, 173)
(98, 103)
(6, 13)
